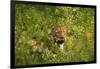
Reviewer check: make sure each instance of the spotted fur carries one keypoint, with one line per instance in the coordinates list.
(58, 35)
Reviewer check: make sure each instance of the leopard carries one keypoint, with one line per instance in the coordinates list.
(58, 35)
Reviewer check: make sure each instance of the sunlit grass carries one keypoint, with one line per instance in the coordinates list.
(32, 24)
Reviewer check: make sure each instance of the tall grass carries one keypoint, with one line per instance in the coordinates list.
(34, 22)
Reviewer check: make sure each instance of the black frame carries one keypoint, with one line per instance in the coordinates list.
(12, 34)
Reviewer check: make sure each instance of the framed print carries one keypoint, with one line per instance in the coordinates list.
(50, 34)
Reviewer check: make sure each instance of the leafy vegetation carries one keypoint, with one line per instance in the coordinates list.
(34, 22)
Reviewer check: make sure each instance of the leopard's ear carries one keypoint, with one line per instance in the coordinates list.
(53, 26)
(65, 27)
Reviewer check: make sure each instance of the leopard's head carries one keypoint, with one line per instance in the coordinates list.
(58, 34)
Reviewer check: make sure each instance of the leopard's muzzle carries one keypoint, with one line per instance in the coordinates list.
(60, 40)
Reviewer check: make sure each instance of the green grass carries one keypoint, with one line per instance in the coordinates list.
(34, 22)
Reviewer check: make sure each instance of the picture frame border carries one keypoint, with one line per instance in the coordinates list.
(12, 34)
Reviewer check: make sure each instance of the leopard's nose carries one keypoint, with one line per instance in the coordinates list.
(62, 38)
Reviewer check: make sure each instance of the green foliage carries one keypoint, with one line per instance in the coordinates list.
(32, 24)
